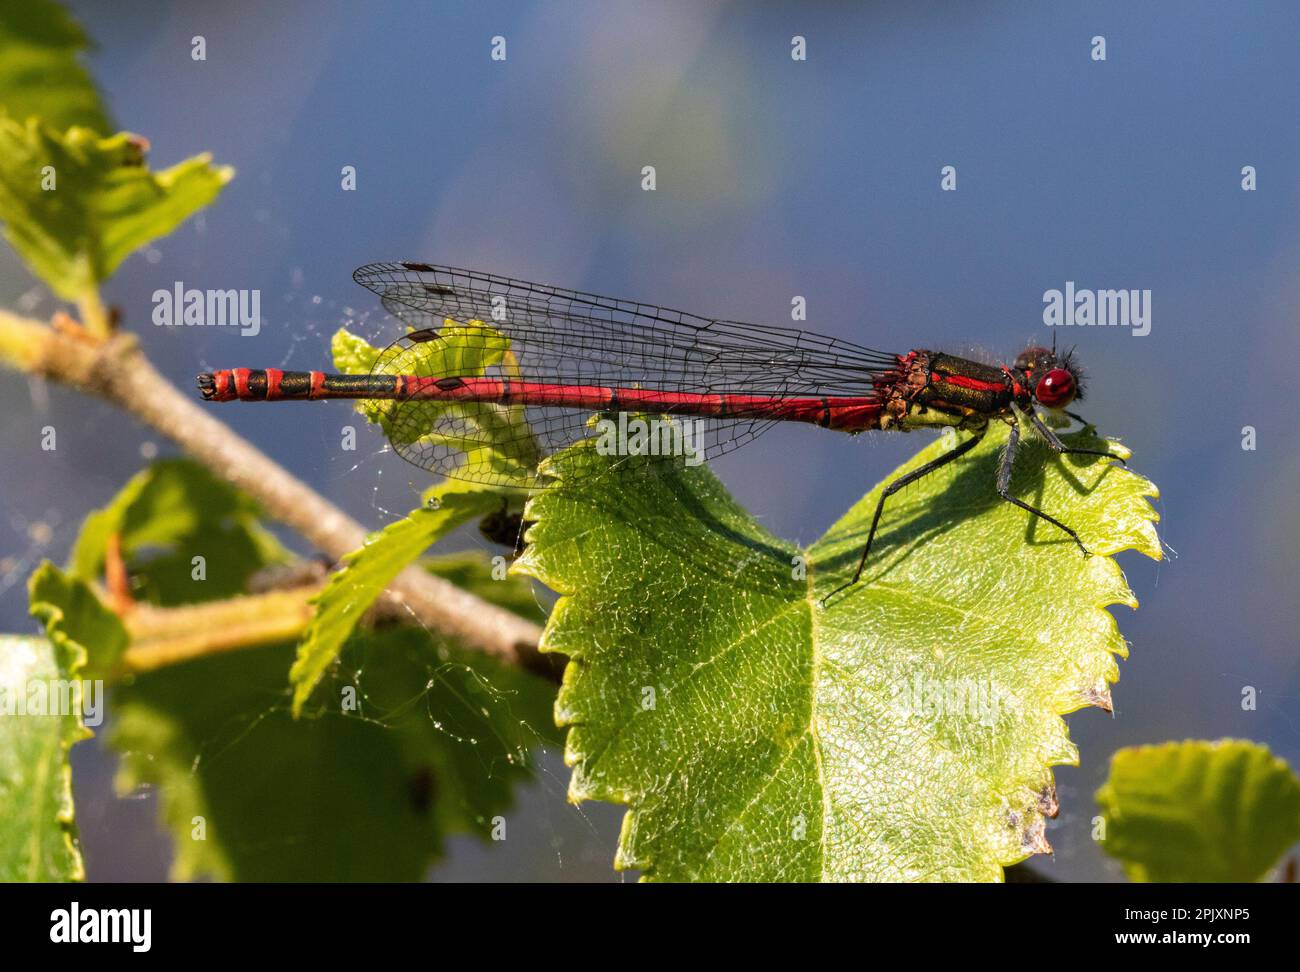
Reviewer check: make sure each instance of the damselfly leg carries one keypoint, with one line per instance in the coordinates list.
(1004, 484)
(1087, 426)
(921, 471)
(1056, 445)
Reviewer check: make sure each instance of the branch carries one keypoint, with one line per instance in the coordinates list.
(116, 370)
(168, 636)
(162, 636)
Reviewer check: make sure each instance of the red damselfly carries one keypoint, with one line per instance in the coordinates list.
(496, 373)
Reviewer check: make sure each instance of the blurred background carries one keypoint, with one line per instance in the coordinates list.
(775, 178)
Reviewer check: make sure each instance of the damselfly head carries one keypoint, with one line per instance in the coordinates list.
(1055, 379)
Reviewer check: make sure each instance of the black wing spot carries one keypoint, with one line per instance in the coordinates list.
(447, 384)
(418, 267)
(439, 291)
(419, 337)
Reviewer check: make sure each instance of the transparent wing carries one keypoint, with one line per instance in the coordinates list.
(535, 332)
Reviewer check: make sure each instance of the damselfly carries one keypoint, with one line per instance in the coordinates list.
(496, 373)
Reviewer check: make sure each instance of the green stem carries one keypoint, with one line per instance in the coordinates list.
(169, 636)
(94, 315)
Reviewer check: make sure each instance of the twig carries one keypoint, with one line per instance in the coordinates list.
(168, 636)
(117, 371)
(162, 636)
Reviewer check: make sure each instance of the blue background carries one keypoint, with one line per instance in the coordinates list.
(775, 178)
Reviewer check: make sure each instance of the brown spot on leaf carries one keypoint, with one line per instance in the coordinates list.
(1034, 838)
(1047, 801)
(1100, 698)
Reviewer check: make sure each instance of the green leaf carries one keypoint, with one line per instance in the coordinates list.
(85, 640)
(168, 514)
(905, 732)
(105, 203)
(436, 743)
(352, 355)
(366, 572)
(1199, 811)
(493, 437)
(41, 74)
(85, 632)
(38, 841)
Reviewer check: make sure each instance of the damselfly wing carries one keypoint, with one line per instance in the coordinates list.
(736, 379)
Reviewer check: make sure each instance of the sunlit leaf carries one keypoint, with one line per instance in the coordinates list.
(493, 437)
(84, 641)
(38, 839)
(366, 572)
(905, 732)
(352, 355)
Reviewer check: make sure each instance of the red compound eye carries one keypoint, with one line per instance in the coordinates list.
(1056, 390)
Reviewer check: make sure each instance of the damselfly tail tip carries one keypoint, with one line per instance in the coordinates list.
(207, 385)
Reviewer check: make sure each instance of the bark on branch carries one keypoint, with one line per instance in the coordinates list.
(117, 371)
